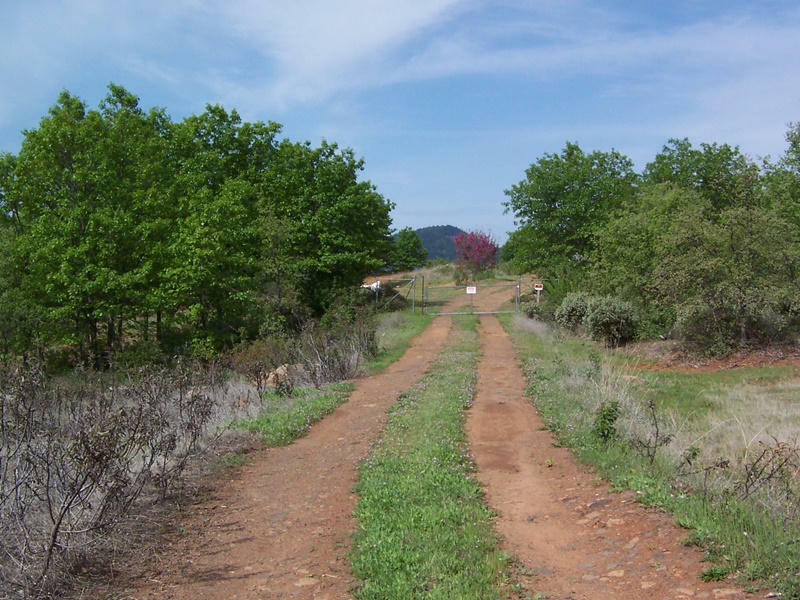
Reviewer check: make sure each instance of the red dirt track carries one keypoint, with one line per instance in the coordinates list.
(574, 538)
(281, 526)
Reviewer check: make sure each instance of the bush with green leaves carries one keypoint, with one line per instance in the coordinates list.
(610, 319)
(571, 312)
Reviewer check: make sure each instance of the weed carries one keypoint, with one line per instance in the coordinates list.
(605, 421)
(648, 445)
(715, 573)
(234, 459)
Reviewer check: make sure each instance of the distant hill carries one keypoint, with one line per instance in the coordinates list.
(438, 241)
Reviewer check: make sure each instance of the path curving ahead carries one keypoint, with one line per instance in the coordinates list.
(574, 538)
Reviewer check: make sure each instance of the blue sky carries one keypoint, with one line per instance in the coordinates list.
(448, 101)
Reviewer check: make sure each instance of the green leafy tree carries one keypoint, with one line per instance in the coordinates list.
(408, 251)
(78, 217)
(732, 280)
(719, 173)
(563, 200)
(211, 273)
(339, 227)
(628, 249)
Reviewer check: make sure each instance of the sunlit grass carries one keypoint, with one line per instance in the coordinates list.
(394, 334)
(423, 530)
(286, 418)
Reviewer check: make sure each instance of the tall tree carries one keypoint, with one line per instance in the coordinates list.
(408, 251)
(719, 173)
(339, 226)
(563, 200)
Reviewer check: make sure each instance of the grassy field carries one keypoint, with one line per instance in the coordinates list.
(423, 530)
(717, 449)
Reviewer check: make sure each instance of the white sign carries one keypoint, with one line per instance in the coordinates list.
(471, 289)
(538, 286)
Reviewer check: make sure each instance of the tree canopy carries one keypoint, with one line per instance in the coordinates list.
(408, 252)
(563, 200)
(113, 217)
(706, 243)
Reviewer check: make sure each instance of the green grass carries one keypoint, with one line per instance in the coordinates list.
(423, 530)
(286, 418)
(694, 391)
(394, 335)
(568, 379)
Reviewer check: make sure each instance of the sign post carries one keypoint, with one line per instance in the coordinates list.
(538, 287)
(471, 291)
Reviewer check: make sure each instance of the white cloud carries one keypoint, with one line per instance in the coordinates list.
(311, 49)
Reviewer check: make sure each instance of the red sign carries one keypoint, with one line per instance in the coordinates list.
(538, 286)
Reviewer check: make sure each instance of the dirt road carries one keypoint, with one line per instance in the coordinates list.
(282, 526)
(574, 538)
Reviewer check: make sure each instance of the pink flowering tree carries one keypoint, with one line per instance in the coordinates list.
(476, 251)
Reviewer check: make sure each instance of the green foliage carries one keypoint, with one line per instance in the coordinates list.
(721, 175)
(715, 573)
(338, 226)
(733, 281)
(111, 217)
(610, 319)
(605, 421)
(564, 199)
(706, 247)
(572, 310)
(408, 252)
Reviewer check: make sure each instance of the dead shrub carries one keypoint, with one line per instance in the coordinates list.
(334, 352)
(74, 458)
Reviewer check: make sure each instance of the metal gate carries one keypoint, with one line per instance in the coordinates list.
(388, 292)
(435, 298)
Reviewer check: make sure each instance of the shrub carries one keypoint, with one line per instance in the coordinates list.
(605, 420)
(76, 457)
(335, 347)
(611, 320)
(715, 328)
(572, 310)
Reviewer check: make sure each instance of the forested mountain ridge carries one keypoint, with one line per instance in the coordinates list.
(438, 241)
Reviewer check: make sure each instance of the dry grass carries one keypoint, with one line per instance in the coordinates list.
(742, 416)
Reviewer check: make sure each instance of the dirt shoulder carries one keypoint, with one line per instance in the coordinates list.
(573, 537)
(280, 527)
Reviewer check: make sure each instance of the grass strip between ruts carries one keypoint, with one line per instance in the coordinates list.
(423, 529)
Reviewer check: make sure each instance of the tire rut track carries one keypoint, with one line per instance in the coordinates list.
(574, 538)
